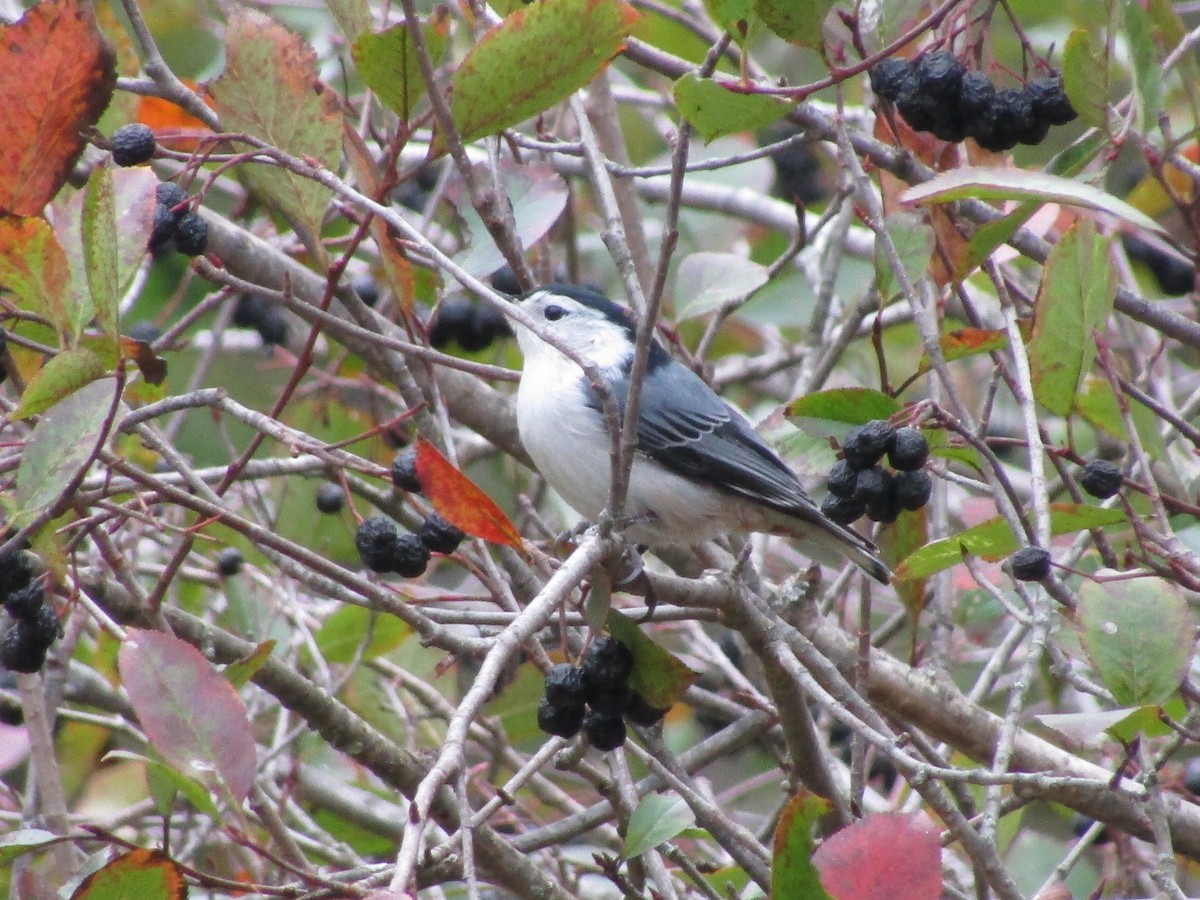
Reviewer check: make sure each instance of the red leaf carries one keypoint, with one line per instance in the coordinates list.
(191, 714)
(890, 856)
(138, 873)
(56, 77)
(459, 501)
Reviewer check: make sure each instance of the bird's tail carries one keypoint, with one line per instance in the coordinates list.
(830, 543)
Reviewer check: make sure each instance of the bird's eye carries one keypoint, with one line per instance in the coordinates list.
(553, 313)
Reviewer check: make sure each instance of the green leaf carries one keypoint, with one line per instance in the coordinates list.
(165, 781)
(796, 21)
(1147, 68)
(792, 871)
(60, 377)
(986, 183)
(913, 238)
(537, 57)
(33, 265)
(705, 282)
(715, 110)
(353, 17)
(239, 672)
(538, 196)
(61, 443)
(270, 88)
(100, 248)
(1085, 77)
(994, 540)
(658, 675)
(349, 627)
(846, 406)
(1097, 403)
(734, 16)
(1075, 299)
(145, 874)
(387, 62)
(22, 841)
(656, 820)
(1139, 634)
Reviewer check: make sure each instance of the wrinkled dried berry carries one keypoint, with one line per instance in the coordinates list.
(409, 557)
(887, 77)
(1010, 119)
(639, 712)
(167, 214)
(913, 489)
(1049, 100)
(1100, 478)
(604, 732)
(404, 471)
(439, 535)
(561, 719)
(871, 483)
(940, 74)
(25, 602)
(610, 703)
(454, 320)
(885, 506)
(976, 95)
(132, 144)
(17, 570)
(191, 235)
(842, 510)
(842, 478)
(17, 654)
(909, 450)
(919, 108)
(605, 668)
(865, 445)
(375, 539)
(564, 684)
(230, 561)
(43, 629)
(366, 288)
(1030, 564)
(330, 499)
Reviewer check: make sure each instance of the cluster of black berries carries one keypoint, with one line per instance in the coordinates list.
(473, 326)
(264, 317)
(859, 485)
(34, 626)
(595, 696)
(936, 93)
(1174, 274)
(176, 225)
(383, 548)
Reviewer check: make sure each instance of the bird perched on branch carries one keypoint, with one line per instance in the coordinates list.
(699, 470)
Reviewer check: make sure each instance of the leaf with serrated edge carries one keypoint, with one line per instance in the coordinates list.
(61, 442)
(57, 379)
(387, 62)
(715, 109)
(138, 873)
(459, 501)
(1017, 184)
(1085, 67)
(1074, 300)
(169, 682)
(1139, 634)
(656, 819)
(537, 57)
(994, 540)
(33, 265)
(850, 406)
(798, 21)
(792, 871)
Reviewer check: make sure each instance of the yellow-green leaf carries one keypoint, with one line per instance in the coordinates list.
(387, 62)
(714, 109)
(63, 375)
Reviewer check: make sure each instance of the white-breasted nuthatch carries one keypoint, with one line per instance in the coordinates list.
(699, 470)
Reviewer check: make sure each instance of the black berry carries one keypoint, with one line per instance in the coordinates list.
(404, 471)
(1050, 103)
(17, 654)
(145, 331)
(1009, 120)
(439, 535)
(191, 235)
(865, 445)
(976, 95)
(1175, 275)
(1191, 775)
(504, 279)
(913, 489)
(919, 108)
(884, 506)
(330, 499)
(909, 450)
(887, 77)
(1030, 564)
(940, 74)
(605, 668)
(410, 557)
(43, 629)
(604, 732)
(561, 719)
(871, 483)
(611, 702)
(842, 478)
(455, 317)
(1081, 824)
(25, 602)
(366, 288)
(842, 510)
(374, 540)
(167, 214)
(1100, 478)
(132, 144)
(639, 712)
(564, 684)
(264, 317)
(16, 570)
(230, 562)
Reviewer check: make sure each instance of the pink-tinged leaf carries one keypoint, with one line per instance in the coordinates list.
(33, 265)
(191, 714)
(890, 856)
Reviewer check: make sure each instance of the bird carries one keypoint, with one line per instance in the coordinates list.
(699, 469)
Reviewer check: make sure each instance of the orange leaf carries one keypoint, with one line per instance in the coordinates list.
(458, 499)
(173, 126)
(57, 75)
(138, 873)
